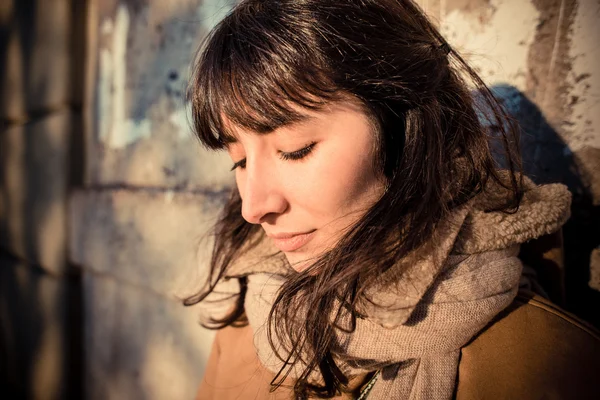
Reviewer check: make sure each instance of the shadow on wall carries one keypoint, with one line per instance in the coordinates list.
(39, 334)
(40, 322)
(548, 159)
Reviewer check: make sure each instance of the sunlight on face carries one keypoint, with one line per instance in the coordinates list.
(306, 183)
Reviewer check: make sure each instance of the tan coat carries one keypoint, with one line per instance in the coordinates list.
(532, 350)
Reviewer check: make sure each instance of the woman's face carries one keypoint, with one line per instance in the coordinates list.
(307, 182)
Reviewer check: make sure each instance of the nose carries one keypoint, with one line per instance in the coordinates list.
(261, 193)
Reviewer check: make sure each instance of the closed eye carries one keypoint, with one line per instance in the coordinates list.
(294, 155)
(240, 164)
(298, 154)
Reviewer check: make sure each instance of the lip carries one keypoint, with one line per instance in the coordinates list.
(288, 242)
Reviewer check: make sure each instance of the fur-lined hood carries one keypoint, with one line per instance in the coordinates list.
(543, 210)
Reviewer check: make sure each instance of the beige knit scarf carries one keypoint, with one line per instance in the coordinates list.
(450, 289)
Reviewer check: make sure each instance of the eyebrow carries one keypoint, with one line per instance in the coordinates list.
(301, 119)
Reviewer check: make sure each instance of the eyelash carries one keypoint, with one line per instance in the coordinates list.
(292, 156)
(298, 154)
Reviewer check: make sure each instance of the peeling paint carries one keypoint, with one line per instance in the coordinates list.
(115, 129)
(583, 79)
(498, 59)
(180, 118)
(131, 131)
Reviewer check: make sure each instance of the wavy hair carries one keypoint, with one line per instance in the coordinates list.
(268, 58)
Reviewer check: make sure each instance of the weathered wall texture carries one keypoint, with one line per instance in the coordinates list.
(541, 58)
(151, 194)
(141, 134)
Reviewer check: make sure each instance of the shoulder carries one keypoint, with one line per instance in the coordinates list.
(533, 349)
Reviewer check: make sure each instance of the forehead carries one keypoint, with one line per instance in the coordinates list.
(303, 118)
(234, 131)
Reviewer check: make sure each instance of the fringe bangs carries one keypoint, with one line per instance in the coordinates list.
(254, 81)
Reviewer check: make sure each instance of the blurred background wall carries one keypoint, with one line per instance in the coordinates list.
(105, 195)
(41, 141)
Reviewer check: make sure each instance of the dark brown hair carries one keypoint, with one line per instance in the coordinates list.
(266, 58)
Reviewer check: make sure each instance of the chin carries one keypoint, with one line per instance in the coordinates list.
(298, 263)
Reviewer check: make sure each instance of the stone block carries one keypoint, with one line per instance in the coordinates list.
(36, 57)
(154, 239)
(140, 345)
(33, 176)
(34, 345)
(141, 134)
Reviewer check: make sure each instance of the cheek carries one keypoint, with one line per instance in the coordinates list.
(336, 183)
(354, 185)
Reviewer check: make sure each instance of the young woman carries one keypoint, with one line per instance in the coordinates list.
(372, 234)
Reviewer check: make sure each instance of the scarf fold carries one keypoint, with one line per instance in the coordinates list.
(416, 320)
(419, 358)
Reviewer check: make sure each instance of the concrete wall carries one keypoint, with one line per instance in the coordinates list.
(40, 119)
(106, 195)
(151, 193)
